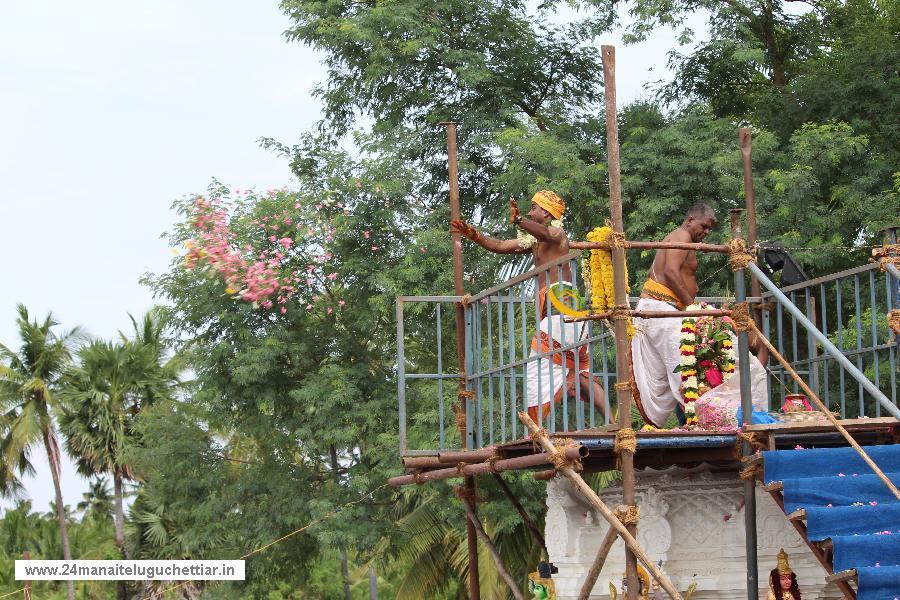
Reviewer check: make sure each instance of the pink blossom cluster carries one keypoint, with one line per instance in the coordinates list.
(266, 276)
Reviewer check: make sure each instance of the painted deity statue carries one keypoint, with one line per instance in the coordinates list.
(783, 581)
(540, 585)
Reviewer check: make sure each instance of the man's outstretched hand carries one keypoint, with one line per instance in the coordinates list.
(513, 212)
(464, 229)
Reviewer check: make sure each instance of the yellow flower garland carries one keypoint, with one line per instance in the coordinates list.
(601, 275)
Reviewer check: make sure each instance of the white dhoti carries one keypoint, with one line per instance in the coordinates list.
(655, 354)
(545, 377)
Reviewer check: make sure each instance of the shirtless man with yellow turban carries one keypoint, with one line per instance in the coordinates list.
(545, 239)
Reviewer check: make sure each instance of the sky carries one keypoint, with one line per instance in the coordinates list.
(110, 110)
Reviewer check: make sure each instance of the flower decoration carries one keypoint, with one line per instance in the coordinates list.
(707, 357)
(600, 279)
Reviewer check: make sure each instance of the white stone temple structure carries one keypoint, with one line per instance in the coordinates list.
(692, 523)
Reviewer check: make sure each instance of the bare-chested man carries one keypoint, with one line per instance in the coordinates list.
(544, 378)
(655, 348)
(672, 277)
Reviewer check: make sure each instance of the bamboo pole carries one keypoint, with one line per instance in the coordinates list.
(635, 245)
(655, 314)
(535, 532)
(486, 540)
(821, 406)
(594, 572)
(459, 290)
(592, 497)
(623, 347)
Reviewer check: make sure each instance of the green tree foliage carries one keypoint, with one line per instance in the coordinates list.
(22, 529)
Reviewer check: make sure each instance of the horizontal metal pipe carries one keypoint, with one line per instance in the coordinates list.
(470, 456)
(545, 475)
(826, 343)
(422, 462)
(657, 314)
(447, 299)
(507, 464)
(672, 443)
(632, 245)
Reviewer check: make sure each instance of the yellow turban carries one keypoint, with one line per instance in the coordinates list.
(550, 202)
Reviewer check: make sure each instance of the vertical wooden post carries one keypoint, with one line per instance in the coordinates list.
(623, 346)
(27, 556)
(459, 290)
(746, 141)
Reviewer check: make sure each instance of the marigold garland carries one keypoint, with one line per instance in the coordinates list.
(601, 275)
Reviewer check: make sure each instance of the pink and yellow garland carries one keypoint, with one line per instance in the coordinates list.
(713, 335)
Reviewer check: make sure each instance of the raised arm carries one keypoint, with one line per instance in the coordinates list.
(542, 233)
(486, 242)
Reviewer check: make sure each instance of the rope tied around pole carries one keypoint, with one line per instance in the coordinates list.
(893, 319)
(628, 515)
(616, 239)
(755, 440)
(461, 424)
(417, 477)
(460, 466)
(738, 255)
(626, 441)
(751, 472)
(740, 314)
(888, 254)
(620, 312)
(492, 464)
(536, 439)
(558, 456)
(624, 386)
(464, 301)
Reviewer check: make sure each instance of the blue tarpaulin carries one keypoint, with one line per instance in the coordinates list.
(848, 504)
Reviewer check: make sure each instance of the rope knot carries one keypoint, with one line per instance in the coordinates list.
(893, 319)
(628, 515)
(626, 441)
(623, 386)
(738, 255)
(888, 254)
(740, 314)
(620, 312)
(616, 239)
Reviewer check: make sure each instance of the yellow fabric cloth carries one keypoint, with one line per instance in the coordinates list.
(784, 596)
(657, 291)
(550, 202)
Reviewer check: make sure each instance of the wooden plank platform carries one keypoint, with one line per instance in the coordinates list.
(826, 427)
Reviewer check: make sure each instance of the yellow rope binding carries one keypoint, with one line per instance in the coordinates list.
(738, 256)
(626, 441)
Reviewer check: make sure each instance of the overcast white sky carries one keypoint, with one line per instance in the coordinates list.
(109, 110)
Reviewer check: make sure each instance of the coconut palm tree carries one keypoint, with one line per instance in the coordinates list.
(104, 393)
(97, 392)
(97, 501)
(28, 380)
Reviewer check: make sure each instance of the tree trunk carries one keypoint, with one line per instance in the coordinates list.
(774, 53)
(345, 570)
(119, 522)
(54, 458)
